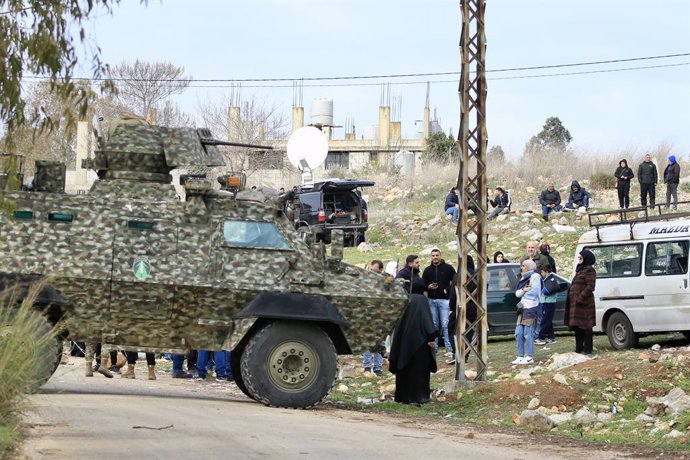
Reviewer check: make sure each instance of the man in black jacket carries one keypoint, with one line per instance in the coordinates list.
(648, 177)
(671, 179)
(438, 277)
(501, 203)
(550, 200)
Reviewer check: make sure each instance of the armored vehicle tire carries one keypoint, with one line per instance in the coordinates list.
(35, 346)
(236, 368)
(686, 334)
(289, 364)
(620, 332)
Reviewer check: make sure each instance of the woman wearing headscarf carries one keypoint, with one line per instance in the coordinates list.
(412, 358)
(528, 291)
(623, 174)
(580, 314)
(500, 258)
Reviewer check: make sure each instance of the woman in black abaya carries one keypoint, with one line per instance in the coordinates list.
(412, 358)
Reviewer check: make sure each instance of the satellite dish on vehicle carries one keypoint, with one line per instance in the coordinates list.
(307, 148)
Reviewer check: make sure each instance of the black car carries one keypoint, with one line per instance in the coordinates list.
(332, 204)
(501, 301)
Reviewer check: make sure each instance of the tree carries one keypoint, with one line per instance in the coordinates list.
(258, 122)
(142, 86)
(496, 154)
(553, 137)
(441, 148)
(41, 39)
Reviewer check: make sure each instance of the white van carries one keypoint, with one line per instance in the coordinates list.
(642, 279)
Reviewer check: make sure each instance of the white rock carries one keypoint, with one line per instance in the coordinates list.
(656, 347)
(564, 228)
(533, 403)
(453, 245)
(563, 360)
(346, 370)
(563, 220)
(364, 247)
(501, 217)
(560, 378)
(604, 417)
(644, 418)
(674, 434)
(434, 221)
(343, 388)
(561, 418)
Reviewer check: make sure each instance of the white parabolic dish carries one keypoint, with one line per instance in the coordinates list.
(309, 144)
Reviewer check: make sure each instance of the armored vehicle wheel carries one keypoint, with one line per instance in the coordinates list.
(31, 346)
(236, 368)
(620, 332)
(686, 334)
(289, 364)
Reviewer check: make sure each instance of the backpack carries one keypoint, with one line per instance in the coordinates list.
(551, 285)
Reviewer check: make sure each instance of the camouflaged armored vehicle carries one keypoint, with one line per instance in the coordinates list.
(132, 265)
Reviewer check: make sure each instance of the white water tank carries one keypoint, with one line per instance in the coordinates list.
(322, 112)
(405, 161)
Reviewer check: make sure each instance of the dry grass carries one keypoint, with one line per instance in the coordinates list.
(26, 341)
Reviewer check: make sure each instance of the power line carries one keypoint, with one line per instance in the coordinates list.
(389, 76)
(420, 82)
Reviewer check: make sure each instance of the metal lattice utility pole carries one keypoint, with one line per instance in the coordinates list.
(471, 337)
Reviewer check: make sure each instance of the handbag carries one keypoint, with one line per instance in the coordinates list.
(518, 308)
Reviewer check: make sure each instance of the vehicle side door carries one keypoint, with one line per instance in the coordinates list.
(501, 298)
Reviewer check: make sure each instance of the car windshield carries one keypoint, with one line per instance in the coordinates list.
(250, 234)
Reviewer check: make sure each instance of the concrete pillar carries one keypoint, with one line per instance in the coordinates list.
(350, 136)
(83, 135)
(327, 132)
(234, 124)
(395, 131)
(297, 118)
(427, 121)
(384, 125)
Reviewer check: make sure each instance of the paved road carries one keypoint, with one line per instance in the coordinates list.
(79, 418)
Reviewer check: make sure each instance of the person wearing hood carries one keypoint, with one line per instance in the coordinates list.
(648, 178)
(580, 311)
(412, 357)
(529, 292)
(623, 175)
(451, 205)
(414, 284)
(671, 179)
(578, 197)
(438, 278)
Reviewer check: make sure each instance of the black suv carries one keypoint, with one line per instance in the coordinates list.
(332, 204)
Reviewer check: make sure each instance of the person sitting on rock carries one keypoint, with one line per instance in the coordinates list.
(578, 197)
(550, 200)
(452, 204)
(501, 203)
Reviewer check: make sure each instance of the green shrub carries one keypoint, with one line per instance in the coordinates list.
(601, 181)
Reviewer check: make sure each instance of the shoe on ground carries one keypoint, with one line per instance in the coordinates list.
(517, 361)
(114, 369)
(448, 354)
(550, 340)
(540, 342)
(367, 369)
(378, 373)
(527, 360)
(181, 375)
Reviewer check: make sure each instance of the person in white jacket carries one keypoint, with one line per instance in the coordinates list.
(528, 291)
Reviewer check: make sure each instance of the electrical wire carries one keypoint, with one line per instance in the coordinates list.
(389, 76)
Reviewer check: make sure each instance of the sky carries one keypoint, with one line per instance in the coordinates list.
(604, 112)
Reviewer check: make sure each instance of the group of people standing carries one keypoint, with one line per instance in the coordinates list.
(538, 292)
(648, 177)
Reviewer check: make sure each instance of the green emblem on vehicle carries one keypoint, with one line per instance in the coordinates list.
(141, 268)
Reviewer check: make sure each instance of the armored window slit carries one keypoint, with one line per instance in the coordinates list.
(60, 217)
(24, 215)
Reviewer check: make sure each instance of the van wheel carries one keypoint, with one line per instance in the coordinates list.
(620, 332)
(236, 368)
(289, 364)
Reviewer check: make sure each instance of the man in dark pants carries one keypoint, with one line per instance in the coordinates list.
(671, 179)
(648, 177)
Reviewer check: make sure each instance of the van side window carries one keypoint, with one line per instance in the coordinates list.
(667, 258)
(618, 260)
